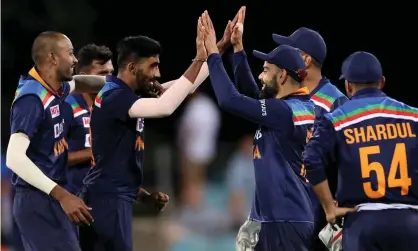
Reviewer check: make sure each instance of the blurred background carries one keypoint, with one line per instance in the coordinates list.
(200, 156)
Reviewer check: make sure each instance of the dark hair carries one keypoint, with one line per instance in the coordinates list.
(314, 61)
(43, 44)
(88, 53)
(133, 48)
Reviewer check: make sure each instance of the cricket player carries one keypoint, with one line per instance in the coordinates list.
(37, 151)
(323, 93)
(117, 133)
(92, 60)
(373, 139)
(281, 217)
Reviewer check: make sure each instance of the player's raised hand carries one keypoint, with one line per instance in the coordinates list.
(238, 29)
(225, 41)
(210, 35)
(156, 89)
(201, 53)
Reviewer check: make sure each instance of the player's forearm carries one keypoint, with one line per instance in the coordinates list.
(324, 195)
(170, 99)
(222, 46)
(244, 78)
(202, 76)
(79, 157)
(87, 83)
(225, 91)
(20, 164)
(165, 105)
(318, 150)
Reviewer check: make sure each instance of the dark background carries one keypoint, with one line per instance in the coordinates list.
(345, 25)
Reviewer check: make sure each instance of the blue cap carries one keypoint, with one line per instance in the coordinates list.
(306, 40)
(362, 67)
(285, 57)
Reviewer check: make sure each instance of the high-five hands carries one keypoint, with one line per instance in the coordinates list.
(201, 53)
(206, 26)
(238, 30)
(225, 42)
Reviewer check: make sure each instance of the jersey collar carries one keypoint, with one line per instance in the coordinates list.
(368, 92)
(321, 83)
(118, 81)
(34, 74)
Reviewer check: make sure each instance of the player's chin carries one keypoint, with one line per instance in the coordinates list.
(68, 76)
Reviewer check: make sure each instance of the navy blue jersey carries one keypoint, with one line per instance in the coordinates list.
(78, 138)
(117, 143)
(37, 111)
(373, 140)
(281, 190)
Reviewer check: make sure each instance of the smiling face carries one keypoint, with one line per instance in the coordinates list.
(271, 77)
(64, 59)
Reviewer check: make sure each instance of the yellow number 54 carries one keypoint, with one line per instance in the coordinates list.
(399, 162)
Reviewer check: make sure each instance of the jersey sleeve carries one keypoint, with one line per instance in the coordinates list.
(27, 115)
(338, 102)
(273, 113)
(69, 119)
(118, 102)
(244, 79)
(319, 150)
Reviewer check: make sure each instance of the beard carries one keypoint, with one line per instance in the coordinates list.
(66, 73)
(143, 83)
(270, 89)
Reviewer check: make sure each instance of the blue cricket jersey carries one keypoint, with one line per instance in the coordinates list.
(78, 139)
(281, 191)
(37, 111)
(373, 139)
(117, 143)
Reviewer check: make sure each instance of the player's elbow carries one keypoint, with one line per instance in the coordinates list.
(225, 103)
(12, 159)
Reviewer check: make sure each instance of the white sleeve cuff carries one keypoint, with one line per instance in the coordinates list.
(20, 164)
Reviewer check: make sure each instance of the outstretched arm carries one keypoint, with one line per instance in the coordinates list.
(172, 98)
(87, 83)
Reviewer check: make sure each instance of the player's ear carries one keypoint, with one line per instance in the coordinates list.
(132, 67)
(52, 57)
(382, 82)
(308, 60)
(349, 88)
(283, 77)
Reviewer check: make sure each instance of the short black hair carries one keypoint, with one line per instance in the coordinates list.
(88, 53)
(133, 48)
(45, 43)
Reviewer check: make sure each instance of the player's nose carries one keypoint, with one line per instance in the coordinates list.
(157, 73)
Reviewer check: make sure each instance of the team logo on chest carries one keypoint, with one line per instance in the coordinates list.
(59, 129)
(55, 111)
(140, 124)
(86, 122)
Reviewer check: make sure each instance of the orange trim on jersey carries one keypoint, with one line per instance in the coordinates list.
(301, 91)
(38, 78)
(93, 161)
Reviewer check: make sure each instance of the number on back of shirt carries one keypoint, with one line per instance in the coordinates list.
(396, 175)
